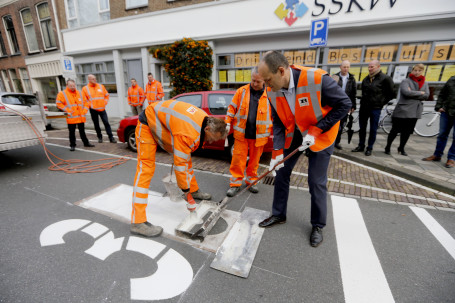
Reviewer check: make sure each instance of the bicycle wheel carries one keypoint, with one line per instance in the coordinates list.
(387, 123)
(428, 125)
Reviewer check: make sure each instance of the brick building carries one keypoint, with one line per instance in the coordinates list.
(30, 48)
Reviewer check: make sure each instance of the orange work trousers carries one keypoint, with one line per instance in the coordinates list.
(242, 149)
(146, 151)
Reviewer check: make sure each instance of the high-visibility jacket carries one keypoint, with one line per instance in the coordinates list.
(176, 127)
(71, 102)
(136, 95)
(154, 91)
(96, 95)
(237, 115)
(308, 109)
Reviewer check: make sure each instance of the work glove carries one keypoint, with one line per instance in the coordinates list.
(190, 203)
(310, 138)
(277, 156)
(228, 128)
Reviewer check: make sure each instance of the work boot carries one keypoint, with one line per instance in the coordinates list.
(112, 140)
(146, 229)
(254, 189)
(233, 191)
(201, 196)
(432, 158)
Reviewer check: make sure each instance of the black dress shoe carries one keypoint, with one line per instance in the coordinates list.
(272, 220)
(112, 140)
(89, 145)
(358, 149)
(100, 140)
(387, 151)
(338, 146)
(368, 152)
(316, 236)
(72, 148)
(402, 152)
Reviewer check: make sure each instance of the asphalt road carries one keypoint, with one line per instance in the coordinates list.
(372, 251)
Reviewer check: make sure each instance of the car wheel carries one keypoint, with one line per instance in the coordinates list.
(131, 139)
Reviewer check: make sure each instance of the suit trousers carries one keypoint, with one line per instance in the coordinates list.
(96, 122)
(72, 131)
(318, 163)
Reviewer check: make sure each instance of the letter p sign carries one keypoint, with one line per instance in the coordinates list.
(319, 32)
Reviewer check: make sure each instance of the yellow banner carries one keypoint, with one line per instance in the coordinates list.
(449, 71)
(222, 76)
(433, 72)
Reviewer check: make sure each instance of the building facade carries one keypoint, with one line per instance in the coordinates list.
(30, 49)
(114, 44)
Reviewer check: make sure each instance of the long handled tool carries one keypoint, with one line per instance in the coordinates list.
(208, 224)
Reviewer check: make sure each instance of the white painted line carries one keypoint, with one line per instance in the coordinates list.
(147, 247)
(105, 246)
(361, 271)
(95, 230)
(436, 229)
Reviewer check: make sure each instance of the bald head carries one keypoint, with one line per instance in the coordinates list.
(373, 67)
(91, 79)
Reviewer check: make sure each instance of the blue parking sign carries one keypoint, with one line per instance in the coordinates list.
(319, 32)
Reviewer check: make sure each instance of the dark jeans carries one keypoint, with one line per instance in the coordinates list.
(404, 126)
(340, 130)
(446, 123)
(96, 122)
(317, 182)
(365, 115)
(72, 130)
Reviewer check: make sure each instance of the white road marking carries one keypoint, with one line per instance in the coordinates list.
(95, 230)
(53, 234)
(361, 271)
(436, 229)
(146, 247)
(105, 246)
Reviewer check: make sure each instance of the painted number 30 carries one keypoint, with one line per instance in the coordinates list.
(153, 287)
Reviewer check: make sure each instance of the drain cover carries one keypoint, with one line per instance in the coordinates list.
(269, 180)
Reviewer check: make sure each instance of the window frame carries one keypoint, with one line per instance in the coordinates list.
(76, 9)
(25, 32)
(100, 76)
(15, 89)
(8, 36)
(127, 7)
(26, 82)
(41, 29)
(3, 52)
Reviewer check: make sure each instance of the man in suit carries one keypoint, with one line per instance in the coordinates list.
(307, 105)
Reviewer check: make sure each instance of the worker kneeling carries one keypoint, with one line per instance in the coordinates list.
(179, 128)
(250, 115)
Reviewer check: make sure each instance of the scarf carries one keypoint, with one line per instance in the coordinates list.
(420, 80)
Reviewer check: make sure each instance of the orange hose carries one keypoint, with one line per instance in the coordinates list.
(72, 166)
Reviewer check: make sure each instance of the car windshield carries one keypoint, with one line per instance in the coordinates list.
(19, 100)
(218, 103)
(196, 100)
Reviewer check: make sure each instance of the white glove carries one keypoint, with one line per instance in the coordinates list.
(274, 161)
(228, 128)
(308, 140)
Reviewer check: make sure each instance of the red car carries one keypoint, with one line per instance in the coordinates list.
(214, 103)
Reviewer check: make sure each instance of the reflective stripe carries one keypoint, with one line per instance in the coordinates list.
(237, 114)
(236, 182)
(139, 173)
(141, 190)
(181, 117)
(137, 200)
(264, 135)
(97, 98)
(267, 122)
(233, 104)
(312, 89)
(239, 129)
(230, 115)
(179, 168)
(181, 154)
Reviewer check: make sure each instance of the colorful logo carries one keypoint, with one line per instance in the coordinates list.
(291, 10)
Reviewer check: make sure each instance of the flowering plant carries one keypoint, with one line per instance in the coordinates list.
(188, 63)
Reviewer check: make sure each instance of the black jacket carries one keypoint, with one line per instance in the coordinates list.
(446, 97)
(351, 88)
(377, 93)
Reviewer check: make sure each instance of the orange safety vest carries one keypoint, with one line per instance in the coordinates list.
(135, 95)
(154, 91)
(238, 114)
(71, 102)
(308, 109)
(176, 127)
(96, 95)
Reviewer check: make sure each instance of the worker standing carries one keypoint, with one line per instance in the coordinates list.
(250, 115)
(136, 97)
(153, 90)
(307, 105)
(179, 128)
(98, 97)
(70, 101)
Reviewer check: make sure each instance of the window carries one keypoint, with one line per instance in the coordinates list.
(16, 82)
(104, 72)
(26, 80)
(85, 12)
(218, 103)
(196, 100)
(46, 26)
(6, 81)
(29, 30)
(129, 4)
(12, 38)
(2, 84)
(2, 46)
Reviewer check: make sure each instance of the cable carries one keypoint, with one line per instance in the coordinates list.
(72, 166)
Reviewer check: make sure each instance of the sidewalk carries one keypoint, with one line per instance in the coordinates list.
(431, 174)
